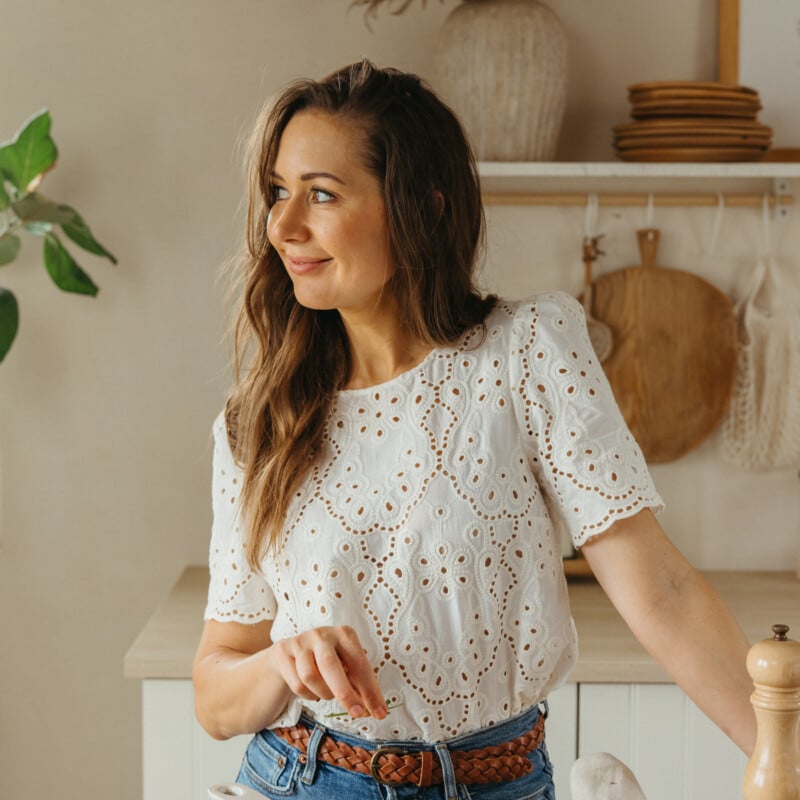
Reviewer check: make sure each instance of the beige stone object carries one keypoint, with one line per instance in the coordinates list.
(502, 66)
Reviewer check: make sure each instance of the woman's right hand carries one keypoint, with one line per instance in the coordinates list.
(326, 663)
(243, 680)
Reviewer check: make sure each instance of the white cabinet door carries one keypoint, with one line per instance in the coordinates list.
(672, 748)
(180, 760)
(562, 736)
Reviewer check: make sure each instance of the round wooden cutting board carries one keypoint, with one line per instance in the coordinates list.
(675, 351)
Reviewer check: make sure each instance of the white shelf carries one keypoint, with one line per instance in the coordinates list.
(623, 169)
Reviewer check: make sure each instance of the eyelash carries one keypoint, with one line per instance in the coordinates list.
(273, 193)
(315, 191)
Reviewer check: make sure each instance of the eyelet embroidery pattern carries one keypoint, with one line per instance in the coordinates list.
(587, 455)
(238, 595)
(425, 526)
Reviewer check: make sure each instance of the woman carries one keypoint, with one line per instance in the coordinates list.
(387, 608)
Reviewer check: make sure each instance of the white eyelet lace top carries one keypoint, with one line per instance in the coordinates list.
(426, 523)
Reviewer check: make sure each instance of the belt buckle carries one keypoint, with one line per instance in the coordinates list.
(373, 764)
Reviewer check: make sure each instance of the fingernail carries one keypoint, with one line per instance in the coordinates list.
(356, 711)
(380, 713)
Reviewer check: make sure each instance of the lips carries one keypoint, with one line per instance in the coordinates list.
(303, 266)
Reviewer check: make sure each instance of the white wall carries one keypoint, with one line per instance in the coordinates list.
(106, 403)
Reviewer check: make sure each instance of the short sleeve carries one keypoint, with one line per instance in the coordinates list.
(586, 458)
(235, 592)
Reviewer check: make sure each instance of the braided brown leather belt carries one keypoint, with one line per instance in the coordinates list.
(395, 766)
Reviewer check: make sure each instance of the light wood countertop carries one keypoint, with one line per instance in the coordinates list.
(608, 651)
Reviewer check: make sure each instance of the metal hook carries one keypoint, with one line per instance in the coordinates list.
(590, 247)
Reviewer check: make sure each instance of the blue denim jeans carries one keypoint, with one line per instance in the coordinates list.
(274, 768)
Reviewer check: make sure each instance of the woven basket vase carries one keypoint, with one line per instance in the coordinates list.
(502, 66)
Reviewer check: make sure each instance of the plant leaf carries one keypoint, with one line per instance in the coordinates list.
(6, 158)
(9, 248)
(38, 228)
(30, 153)
(9, 321)
(5, 200)
(63, 269)
(79, 232)
(34, 207)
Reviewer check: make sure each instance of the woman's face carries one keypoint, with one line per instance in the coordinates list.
(328, 219)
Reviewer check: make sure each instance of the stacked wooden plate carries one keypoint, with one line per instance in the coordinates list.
(692, 121)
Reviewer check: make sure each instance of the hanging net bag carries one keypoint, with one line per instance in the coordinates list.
(762, 427)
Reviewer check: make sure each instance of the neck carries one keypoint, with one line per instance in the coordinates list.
(380, 349)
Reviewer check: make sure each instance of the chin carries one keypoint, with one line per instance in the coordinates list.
(313, 303)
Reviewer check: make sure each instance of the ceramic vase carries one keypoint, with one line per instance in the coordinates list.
(502, 67)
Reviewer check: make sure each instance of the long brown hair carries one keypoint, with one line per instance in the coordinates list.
(291, 360)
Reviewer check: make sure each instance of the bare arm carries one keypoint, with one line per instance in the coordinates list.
(243, 681)
(679, 619)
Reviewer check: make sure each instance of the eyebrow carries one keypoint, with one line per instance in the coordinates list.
(310, 176)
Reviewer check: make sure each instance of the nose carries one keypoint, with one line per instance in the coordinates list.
(287, 221)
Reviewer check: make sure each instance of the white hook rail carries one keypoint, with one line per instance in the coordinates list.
(779, 198)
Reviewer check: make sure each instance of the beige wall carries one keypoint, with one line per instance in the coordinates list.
(106, 404)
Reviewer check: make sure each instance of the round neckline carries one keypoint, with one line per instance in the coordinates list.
(399, 378)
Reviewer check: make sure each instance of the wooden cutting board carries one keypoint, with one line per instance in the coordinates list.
(675, 351)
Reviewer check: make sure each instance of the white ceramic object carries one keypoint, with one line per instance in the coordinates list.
(601, 776)
(502, 66)
(227, 791)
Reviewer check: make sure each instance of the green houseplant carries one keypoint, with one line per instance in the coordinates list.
(23, 209)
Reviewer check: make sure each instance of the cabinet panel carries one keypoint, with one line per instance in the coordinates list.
(167, 716)
(180, 760)
(673, 749)
(562, 736)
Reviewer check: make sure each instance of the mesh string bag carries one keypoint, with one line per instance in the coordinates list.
(761, 430)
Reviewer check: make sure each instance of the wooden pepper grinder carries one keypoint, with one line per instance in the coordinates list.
(773, 772)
